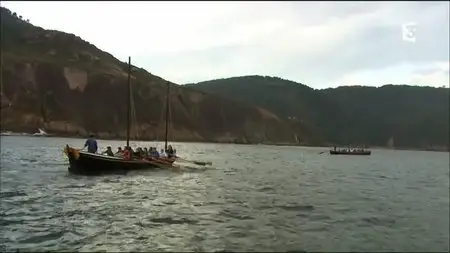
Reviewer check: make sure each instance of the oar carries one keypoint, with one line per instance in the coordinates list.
(165, 165)
(195, 162)
(322, 152)
(159, 163)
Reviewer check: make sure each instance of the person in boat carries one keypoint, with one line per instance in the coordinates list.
(108, 151)
(169, 152)
(132, 152)
(145, 151)
(151, 154)
(127, 153)
(119, 151)
(138, 153)
(91, 144)
(162, 154)
(154, 153)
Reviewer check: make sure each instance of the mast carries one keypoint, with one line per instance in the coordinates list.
(128, 101)
(167, 117)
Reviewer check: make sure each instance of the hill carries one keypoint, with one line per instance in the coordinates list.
(59, 82)
(392, 115)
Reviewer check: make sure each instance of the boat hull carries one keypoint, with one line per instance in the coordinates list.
(336, 152)
(84, 163)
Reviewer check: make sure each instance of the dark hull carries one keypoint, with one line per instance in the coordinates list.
(335, 152)
(84, 163)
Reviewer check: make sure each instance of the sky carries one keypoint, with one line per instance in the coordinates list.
(320, 44)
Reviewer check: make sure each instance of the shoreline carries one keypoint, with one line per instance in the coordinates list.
(71, 136)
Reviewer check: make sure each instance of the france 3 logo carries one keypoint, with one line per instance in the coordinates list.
(409, 32)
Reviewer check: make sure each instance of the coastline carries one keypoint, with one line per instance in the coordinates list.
(78, 136)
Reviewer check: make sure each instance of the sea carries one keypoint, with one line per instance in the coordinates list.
(252, 198)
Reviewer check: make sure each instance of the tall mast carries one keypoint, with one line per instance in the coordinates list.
(1, 71)
(128, 101)
(167, 116)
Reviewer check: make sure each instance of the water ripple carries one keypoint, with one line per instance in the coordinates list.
(257, 198)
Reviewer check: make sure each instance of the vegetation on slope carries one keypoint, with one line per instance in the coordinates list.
(58, 81)
(406, 116)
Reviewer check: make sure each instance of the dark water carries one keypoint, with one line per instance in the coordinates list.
(256, 198)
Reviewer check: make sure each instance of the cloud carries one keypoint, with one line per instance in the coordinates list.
(423, 74)
(320, 44)
(438, 75)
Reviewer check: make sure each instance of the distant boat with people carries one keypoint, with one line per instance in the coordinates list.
(350, 151)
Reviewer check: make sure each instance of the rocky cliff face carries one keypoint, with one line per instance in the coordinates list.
(58, 82)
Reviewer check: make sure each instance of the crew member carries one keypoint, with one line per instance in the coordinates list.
(91, 144)
(169, 152)
(108, 151)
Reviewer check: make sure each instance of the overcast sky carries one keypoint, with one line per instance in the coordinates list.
(320, 44)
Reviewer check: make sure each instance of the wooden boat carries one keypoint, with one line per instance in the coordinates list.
(350, 152)
(85, 163)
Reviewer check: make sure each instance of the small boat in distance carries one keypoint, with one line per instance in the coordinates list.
(350, 151)
(41, 133)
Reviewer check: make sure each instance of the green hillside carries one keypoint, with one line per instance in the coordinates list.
(67, 86)
(409, 116)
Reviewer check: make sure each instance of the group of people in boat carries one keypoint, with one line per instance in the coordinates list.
(350, 150)
(141, 152)
(128, 153)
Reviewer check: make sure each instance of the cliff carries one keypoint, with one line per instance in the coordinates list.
(59, 82)
(398, 116)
